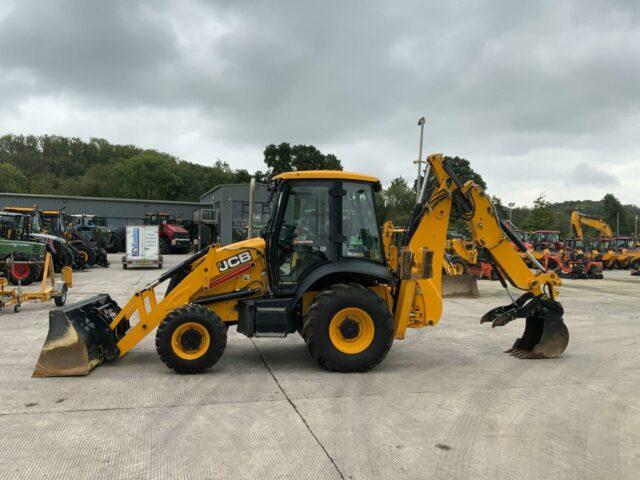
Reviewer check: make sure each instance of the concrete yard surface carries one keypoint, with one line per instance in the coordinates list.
(445, 404)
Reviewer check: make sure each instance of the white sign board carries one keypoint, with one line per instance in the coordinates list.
(143, 246)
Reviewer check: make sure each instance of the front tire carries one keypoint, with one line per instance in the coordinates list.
(62, 298)
(191, 339)
(165, 246)
(348, 328)
(459, 265)
(88, 255)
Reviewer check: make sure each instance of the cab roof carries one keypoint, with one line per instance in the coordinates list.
(326, 174)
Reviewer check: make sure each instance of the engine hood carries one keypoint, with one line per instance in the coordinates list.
(173, 228)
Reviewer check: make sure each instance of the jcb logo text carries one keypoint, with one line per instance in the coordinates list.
(234, 261)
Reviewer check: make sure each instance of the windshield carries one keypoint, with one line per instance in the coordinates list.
(547, 237)
(8, 227)
(624, 243)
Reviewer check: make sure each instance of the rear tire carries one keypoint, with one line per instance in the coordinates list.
(348, 328)
(191, 339)
(21, 272)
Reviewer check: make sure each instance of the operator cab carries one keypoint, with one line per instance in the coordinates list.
(13, 226)
(34, 214)
(53, 222)
(320, 219)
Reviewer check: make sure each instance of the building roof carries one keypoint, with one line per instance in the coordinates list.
(326, 174)
(226, 185)
(99, 199)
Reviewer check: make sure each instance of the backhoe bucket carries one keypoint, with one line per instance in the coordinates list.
(460, 286)
(545, 334)
(79, 338)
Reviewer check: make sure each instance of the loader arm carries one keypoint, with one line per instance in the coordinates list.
(419, 298)
(223, 275)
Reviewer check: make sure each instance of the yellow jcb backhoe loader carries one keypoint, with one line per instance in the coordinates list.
(319, 269)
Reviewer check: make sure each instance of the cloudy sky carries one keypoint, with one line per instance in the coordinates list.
(540, 96)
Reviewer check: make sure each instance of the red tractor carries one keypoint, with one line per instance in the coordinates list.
(173, 238)
(549, 239)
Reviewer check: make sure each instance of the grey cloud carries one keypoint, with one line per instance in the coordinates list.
(587, 174)
(498, 80)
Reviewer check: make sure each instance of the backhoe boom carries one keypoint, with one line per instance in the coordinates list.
(419, 299)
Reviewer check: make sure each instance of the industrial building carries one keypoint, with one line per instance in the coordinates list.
(222, 214)
(117, 212)
(229, 205)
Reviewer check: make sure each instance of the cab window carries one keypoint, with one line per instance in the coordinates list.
(360, 233)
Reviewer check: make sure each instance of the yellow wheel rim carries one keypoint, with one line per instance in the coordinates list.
(84, 255)
(351, 330)
(458, 269)
(190, 340)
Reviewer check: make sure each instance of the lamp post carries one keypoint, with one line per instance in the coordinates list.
(510, 205)
(421, 122)
(635, 228)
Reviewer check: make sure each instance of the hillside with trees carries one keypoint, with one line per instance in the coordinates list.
(51, 164)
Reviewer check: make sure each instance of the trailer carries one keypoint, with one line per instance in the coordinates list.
(143, 247)
(51, 288)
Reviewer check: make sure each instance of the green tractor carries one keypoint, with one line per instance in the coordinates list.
(34, 231)
(14, 246)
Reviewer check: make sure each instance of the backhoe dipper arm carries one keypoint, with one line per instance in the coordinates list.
(578, 219)
(419, 301)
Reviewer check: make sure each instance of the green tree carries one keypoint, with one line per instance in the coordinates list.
(615, 212)
(147, 175)
(542, 216)
(399, 200)
(12, 180)
(285, 158)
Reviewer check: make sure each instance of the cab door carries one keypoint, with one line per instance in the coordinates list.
(301, 239)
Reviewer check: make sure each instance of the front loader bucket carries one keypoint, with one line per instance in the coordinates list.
(460, 286)
(79, 338)
(545, 334)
